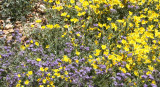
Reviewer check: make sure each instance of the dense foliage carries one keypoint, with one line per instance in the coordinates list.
(16, 9)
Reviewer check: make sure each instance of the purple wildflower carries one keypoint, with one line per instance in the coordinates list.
(137, 7)
(153, 85)
(118, 77)
(80, 19)
(145, 85)
(144, 76)
(113, 10)
(95, 25)
(129, 55)
(87, 48)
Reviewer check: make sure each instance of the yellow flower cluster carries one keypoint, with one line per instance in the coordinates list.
(134, 39)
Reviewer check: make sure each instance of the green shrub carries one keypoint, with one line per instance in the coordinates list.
(16, 9)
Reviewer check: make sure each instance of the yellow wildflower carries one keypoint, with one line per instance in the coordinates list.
(78, 34)
(57, 2)
(50, 1)
(77, 61)
(30, 72)
(123, 70)
(44, 81)
(153, 82)
(123, 41)
(31, 41)
(65, 26)
(18, 85)
(23, 47)
(19, 75)
(65, 58)
(38, 21)
(136, 73)
(57, 74)
(151, 68)
(128, 66)
(97, 52)
(85, 3)
(77, 53)
(49, 26)
(46, 68)
(43, 27)
(53, 77)
(41, 69)
(90, 56)
(26, 82)
(68, 16)
(41, 86)
(32, 25)
(36, 43)
(64, 14)
(56, 26)
(103, 47)
(75, 20)
(47, 46)
(109, 19)
(51, 83)
(38, 59)
(66, 73)
(147, 73)
(72, 1)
